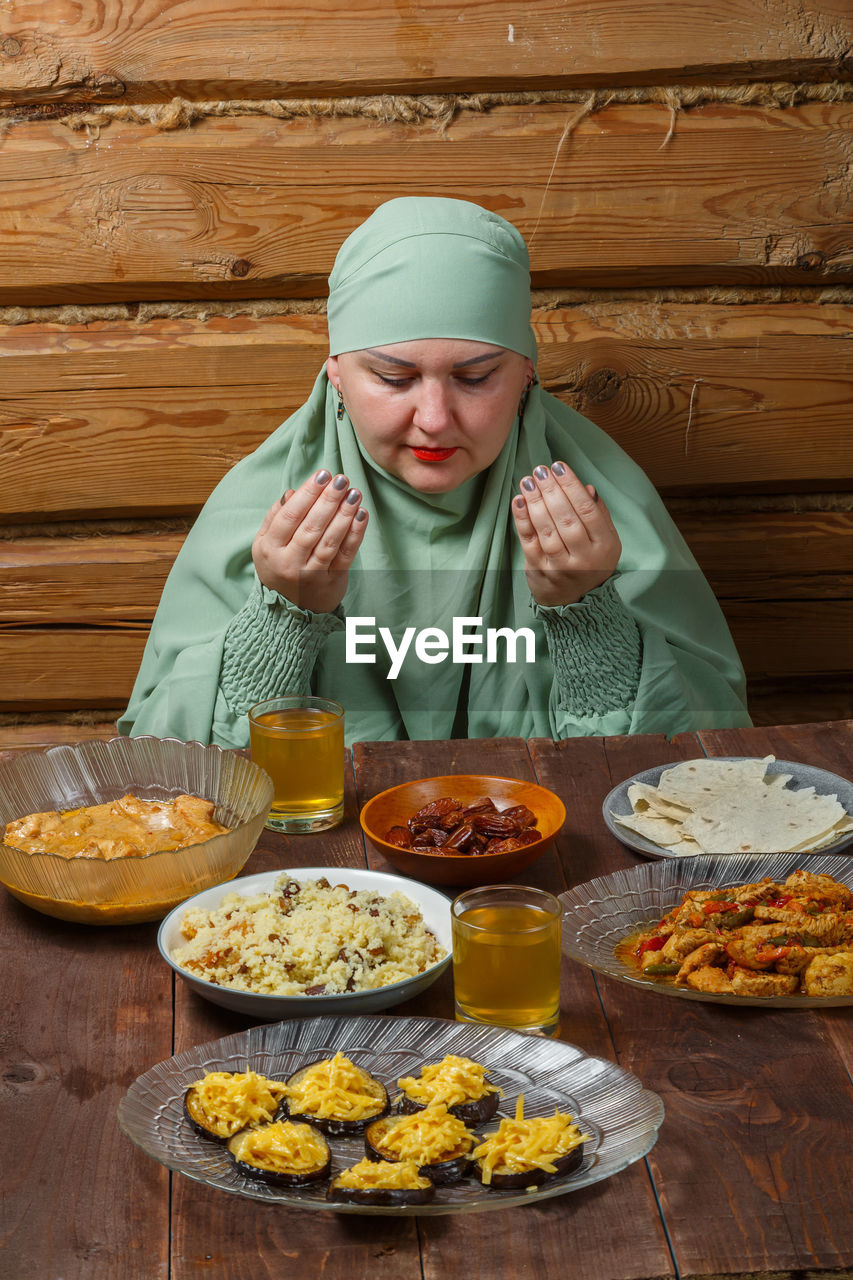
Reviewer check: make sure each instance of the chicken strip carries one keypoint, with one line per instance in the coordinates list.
(830, 975)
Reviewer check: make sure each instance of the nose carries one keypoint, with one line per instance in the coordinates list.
(433, 412)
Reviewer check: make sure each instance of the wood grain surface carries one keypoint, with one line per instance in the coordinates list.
(97, 579)
(133, 50)
(254, 207)
(119, 418)
(755, 1128)
(63, 667)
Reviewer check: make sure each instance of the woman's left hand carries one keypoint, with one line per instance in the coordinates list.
(570, 543)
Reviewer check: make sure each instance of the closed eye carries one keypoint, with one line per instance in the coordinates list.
(404, 382)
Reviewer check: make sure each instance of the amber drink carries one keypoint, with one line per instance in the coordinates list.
(506, 958)
(299, 741)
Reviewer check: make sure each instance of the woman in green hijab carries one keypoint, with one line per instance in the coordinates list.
(432, 539)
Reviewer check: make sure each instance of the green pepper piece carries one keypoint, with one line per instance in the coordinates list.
(734, 919)
(670, 967)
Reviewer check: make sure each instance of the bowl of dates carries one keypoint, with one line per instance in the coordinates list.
(463, 828)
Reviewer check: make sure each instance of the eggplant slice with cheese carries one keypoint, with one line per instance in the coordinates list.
(460, 1083)
(282, 1153)
(438, 1143)
(224, 1102)
(381, 1182)
(334, 1094)
(527, 1152)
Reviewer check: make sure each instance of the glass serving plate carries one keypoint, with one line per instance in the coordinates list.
(599, 914)
(609, 1103)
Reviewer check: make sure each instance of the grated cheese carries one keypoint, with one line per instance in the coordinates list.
(229, 1101)
(394, 1175)
(336, 1089)
(282, 1148)
(521, 1146)
(452, 1081)
(426, 1137)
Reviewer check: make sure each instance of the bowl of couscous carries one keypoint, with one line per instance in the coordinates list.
(319, 940)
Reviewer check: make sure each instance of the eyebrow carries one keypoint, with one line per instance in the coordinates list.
(407, 364)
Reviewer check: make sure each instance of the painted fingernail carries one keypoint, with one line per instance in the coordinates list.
(340, 482)
(360, 516)
(519, 503)
(558, 469)
(595, 495)
(541, 473)
(323, 477)
(354, 496)
(528, 484)
(283, 500)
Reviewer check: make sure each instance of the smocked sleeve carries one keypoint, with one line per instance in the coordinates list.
(596, 652)
(270, 649)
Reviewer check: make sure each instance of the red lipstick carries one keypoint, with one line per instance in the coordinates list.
(433, 455)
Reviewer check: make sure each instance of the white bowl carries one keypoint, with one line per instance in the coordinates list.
(434, 907)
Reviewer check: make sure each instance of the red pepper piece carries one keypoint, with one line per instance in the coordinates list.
(651, 944)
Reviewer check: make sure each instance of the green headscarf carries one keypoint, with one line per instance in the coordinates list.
(424, 268)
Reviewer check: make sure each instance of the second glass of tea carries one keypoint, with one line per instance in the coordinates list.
(300, 743)
(506, 958)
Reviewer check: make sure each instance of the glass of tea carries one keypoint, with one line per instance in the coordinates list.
(506, 957)
(300, 743)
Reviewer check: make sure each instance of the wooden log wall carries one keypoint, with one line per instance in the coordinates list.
(176, 179)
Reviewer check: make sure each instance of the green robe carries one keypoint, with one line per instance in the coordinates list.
(648, 652)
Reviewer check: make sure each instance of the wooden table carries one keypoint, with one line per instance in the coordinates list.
(750, 1176)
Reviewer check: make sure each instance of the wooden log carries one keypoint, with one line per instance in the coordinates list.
(773, 555)
(63, 667)
(116, 418)
(133, 51)
(242, 207)
(102, 580)
(68, 667)
(797, 637)
(94, 581)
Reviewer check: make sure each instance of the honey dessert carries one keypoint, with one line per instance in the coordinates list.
(125, 828)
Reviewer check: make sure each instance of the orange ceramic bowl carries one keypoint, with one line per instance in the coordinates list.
(394, 807)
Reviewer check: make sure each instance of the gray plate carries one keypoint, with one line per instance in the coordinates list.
(609, 1103)
(802, 775)
(600, 913)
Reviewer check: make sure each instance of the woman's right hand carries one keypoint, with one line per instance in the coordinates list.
(306, 545)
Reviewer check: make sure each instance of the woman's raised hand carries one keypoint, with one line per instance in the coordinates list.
(306, 545)
(570, 543)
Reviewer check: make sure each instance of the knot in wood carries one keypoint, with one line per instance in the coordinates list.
(106, 86)
(811, 261)
(11, 47)
(19, 1073)
(241, 267)
(602, 385)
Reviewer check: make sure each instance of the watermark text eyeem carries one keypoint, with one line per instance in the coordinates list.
(466, 643)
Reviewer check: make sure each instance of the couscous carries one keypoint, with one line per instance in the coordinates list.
(308, 939)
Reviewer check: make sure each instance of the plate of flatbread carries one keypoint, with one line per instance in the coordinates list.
(729, 805)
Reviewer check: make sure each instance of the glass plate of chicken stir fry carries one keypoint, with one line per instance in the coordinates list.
(766, 930)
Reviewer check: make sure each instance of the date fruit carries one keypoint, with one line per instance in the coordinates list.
(448, 826)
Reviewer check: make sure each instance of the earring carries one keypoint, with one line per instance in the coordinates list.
(522, 404)
(340, 410)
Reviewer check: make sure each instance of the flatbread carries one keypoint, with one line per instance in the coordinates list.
(733, 806)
